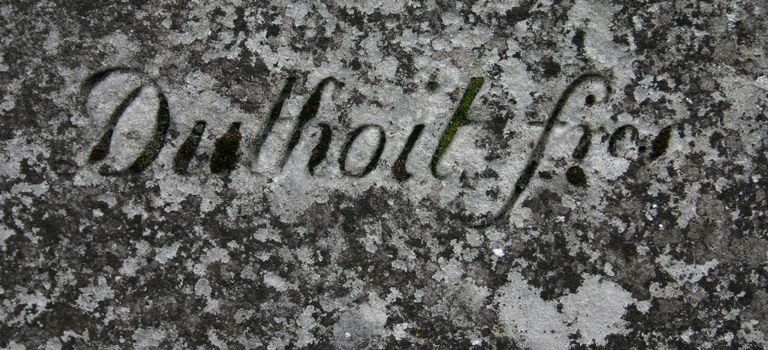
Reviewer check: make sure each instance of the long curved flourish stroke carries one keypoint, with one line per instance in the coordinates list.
(538, 151)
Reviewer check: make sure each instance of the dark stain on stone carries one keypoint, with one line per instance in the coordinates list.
(226, 150)
(550, 68)
(432, 85)
(576, 176)
(660, 144)
(578, 39)
(519, 13)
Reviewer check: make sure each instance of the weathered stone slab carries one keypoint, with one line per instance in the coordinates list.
(520, 174)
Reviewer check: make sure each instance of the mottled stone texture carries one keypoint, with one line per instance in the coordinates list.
(580, 174)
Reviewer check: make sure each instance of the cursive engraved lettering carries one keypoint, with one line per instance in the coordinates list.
(156, 142)
(458, 120)
(226, 153)
(374, 161)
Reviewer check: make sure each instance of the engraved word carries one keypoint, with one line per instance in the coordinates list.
(226, 153)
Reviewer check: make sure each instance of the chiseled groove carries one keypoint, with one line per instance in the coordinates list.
(538, 151)
(582, 148)
(376, 155)
(188, 149)
(101, 149)
(399, 170)
(321, 149)
(458, 120)
(619, 134)
(274, 114)
(152, 149)
(308, 112)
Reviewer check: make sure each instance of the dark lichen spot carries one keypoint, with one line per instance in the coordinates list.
(99, 152)
(589, 100)
(355, 64)
(546, 175)
(716, 142)
(578, 39)
(551, 68)
(517, 14)
(432, 85)
(576, 176)
(661, 143)
(226, 150)
(273, 30)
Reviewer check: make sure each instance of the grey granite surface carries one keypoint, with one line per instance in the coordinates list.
(482, 174)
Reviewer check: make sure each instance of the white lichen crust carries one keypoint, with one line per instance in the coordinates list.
(605, 189)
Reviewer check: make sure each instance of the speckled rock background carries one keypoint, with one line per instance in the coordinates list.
(642, 226)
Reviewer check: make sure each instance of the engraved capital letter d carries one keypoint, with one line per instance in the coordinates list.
(157, 141)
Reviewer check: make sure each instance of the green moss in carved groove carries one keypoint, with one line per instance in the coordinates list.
(459, 119)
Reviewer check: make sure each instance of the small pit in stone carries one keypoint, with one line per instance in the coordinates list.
(589, 100)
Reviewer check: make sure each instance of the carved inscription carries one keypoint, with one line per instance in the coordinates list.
(162, 122)
(622, 142)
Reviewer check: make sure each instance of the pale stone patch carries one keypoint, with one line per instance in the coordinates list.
(595, 311)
